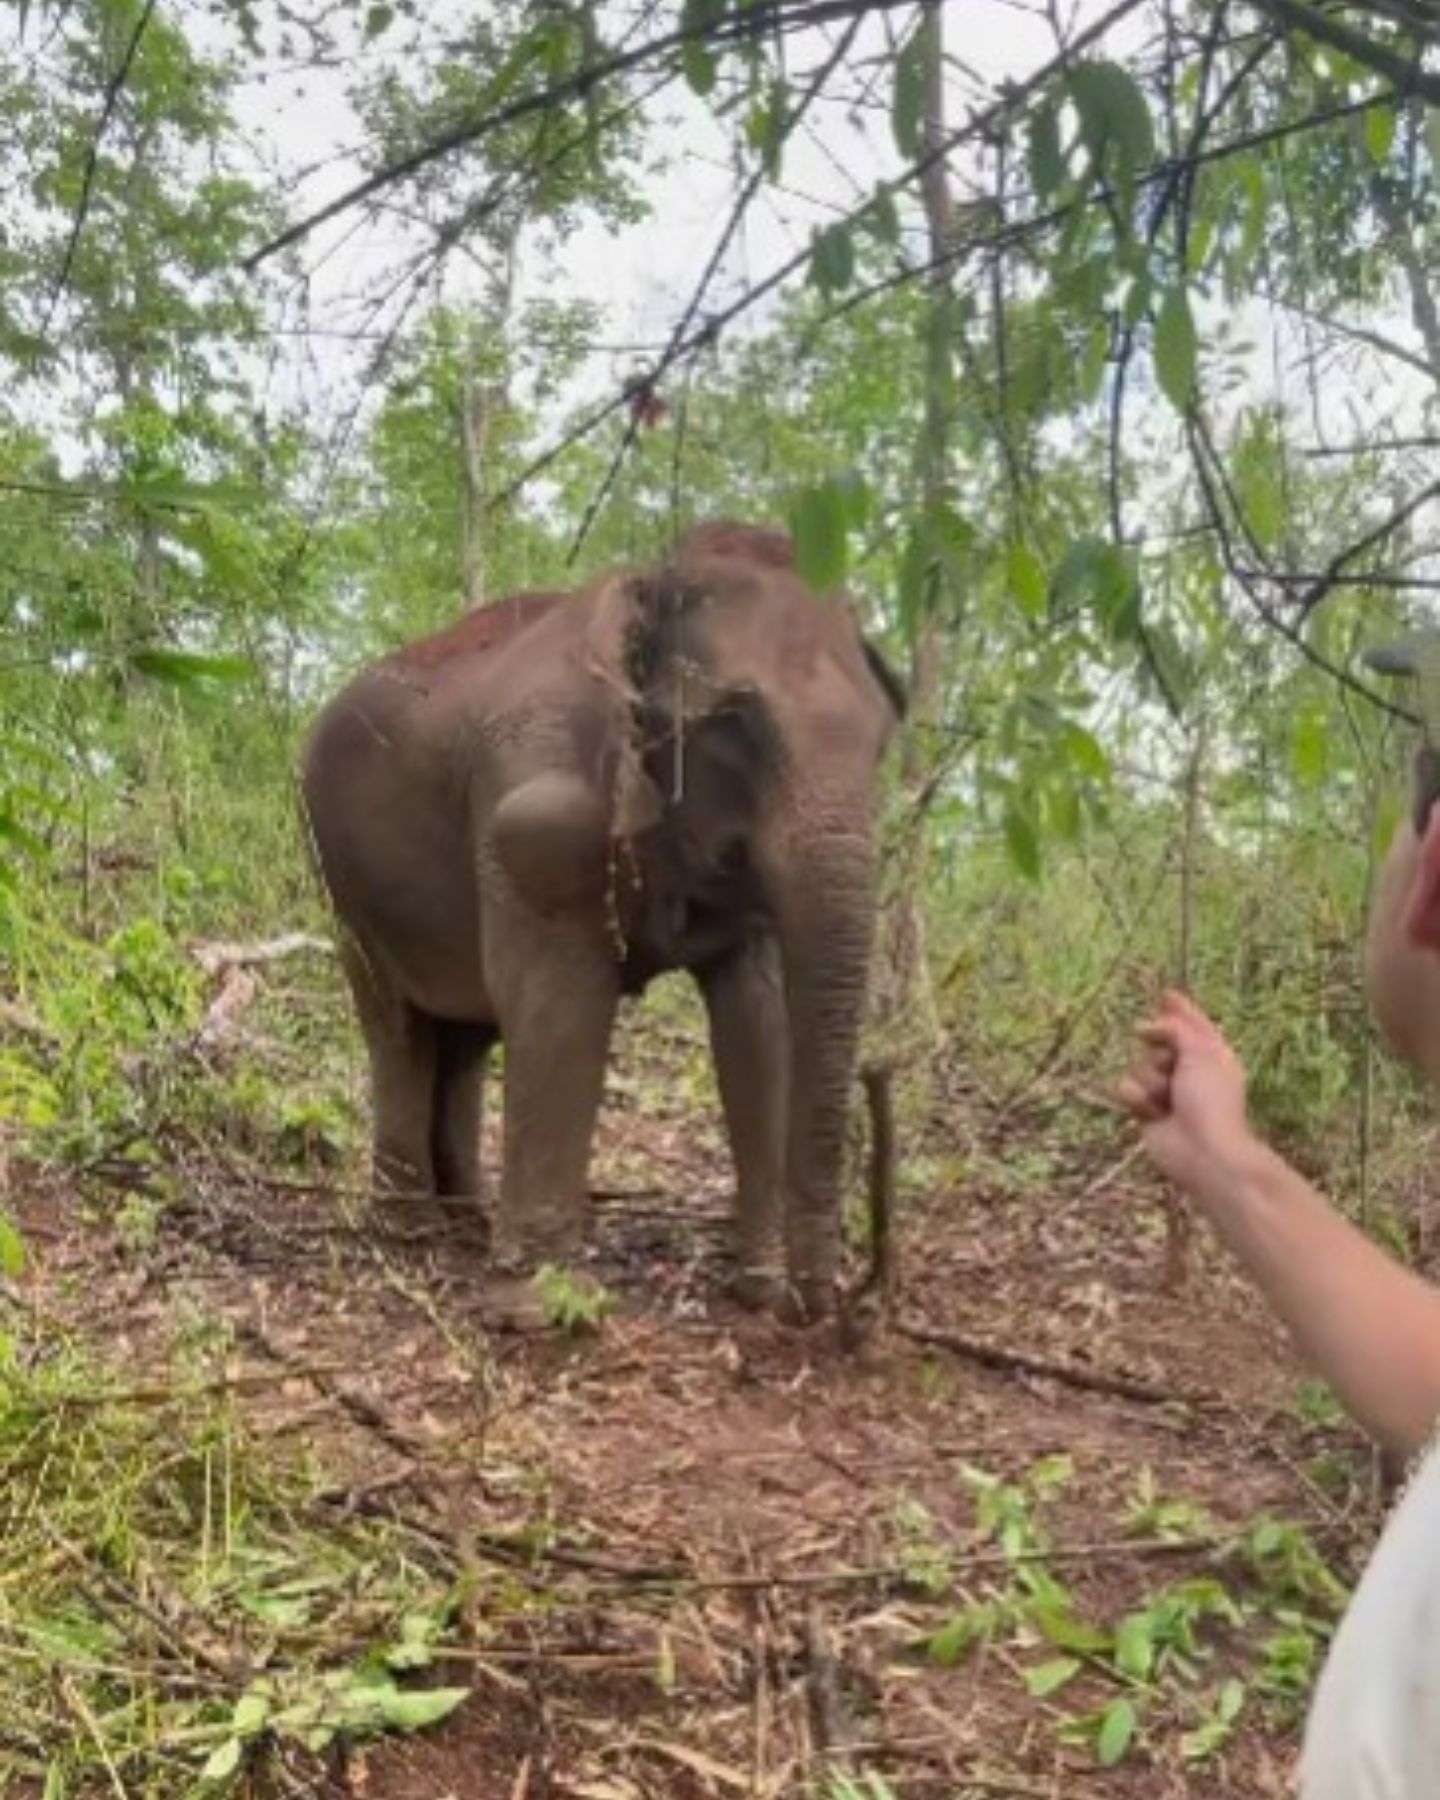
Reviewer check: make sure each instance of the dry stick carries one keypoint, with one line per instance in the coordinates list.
(830, 1725)
(1098, 1381)
(158, 1394)
(361, 1409)
(879, 1282)
(184, 1649)
(1177, 1214)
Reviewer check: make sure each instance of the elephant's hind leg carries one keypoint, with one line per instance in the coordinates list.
(459, 1105)
(403, 1046)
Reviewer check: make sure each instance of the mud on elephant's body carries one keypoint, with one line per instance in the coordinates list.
(562, 796)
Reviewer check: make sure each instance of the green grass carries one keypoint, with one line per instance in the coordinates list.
(178, 1595)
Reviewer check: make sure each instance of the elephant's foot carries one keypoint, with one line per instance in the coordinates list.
(511, 1302)
(809, 1299)
(758, 1289)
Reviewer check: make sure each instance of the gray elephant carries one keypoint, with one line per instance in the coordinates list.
(562, 796)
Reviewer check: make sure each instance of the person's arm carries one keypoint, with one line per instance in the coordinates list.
(1366, 1324)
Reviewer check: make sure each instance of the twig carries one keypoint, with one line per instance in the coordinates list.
(114, 88)
(160, 1395)
(1023, 1362)
(360, 1407)
(830, 1726)
(1177, 1213)
(1410, 77)
(879, 1282)
(216, 959)
(76, 1703)
(548, 99)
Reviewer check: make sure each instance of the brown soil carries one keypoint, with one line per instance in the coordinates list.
(727, 1603)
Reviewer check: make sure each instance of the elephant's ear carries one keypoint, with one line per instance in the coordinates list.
(617, 623)
(616, 615)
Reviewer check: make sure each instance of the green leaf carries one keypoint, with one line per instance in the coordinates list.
(1094, 359)
(1062, 812)
(181, 668)
(698, 62)
(1103, 578)
(1044, 161)
(223, 1761)
(907, 107)
(12, 1249)
(251, 1712)
(12, 831)
(1432, 141)
(832, 259)
(1048, 1678)
(697, 59)
(1380, 133)
(1084, 752)
(1250, 172)
(1118, 1725)
(1256, 473)
(884, 216)
(1310, 748)
(404, 1710)
(819, 526)
(768, 126)
(1059, 1625)
(1115, 123)
(960, 1634)
(1135, 1646)
(1022, 843)
(1175, 349)
(1137, 298)
(1026, 579)
(378, 19)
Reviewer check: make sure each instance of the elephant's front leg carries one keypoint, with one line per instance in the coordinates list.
(556, 986)
(750, 1040)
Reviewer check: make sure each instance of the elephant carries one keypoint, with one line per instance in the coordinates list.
(559, 797)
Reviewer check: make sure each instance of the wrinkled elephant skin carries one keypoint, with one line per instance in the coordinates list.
(562, 796)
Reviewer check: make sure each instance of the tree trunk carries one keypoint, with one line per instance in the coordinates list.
(483, 393)
(475, 415)
(906, 976)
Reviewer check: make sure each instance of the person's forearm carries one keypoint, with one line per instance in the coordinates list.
(1366, 1324)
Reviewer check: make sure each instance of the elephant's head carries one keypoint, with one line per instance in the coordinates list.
(785, 711)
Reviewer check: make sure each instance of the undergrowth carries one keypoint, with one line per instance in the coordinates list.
(177, 1594)
(1175, 1667)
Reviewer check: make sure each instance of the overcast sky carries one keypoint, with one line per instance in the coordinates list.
(641, 277)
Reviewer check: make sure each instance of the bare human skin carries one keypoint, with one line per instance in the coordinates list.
(561, 797)
(1369, 1326)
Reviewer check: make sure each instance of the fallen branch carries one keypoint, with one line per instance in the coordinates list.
(831, 1727)
(215, 959)
(1022, 1362)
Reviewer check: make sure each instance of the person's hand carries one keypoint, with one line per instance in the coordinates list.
(1187, 1091)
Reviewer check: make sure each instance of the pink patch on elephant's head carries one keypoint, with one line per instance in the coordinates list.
(726, 537)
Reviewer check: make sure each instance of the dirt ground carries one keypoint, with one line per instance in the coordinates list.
(752, 1533)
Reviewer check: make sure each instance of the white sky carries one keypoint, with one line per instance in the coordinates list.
(641, 277)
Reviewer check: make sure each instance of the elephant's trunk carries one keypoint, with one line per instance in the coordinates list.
(826, 916)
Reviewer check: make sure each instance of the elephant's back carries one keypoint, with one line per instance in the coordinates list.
(478, 633)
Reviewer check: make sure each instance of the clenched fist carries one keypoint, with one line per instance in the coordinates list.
(1187, 1090)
